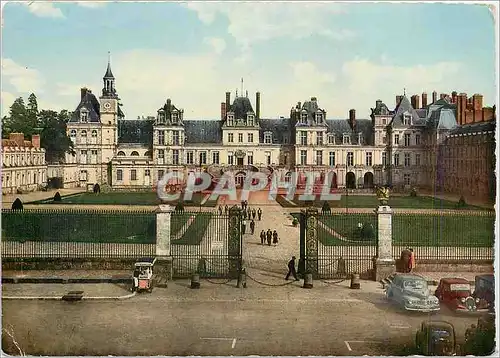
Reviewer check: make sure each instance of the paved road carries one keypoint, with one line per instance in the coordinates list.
(160, 324)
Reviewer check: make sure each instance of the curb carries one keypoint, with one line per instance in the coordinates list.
(65, 280)
(59, 298)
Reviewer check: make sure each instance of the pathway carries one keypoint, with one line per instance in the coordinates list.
(8, 199)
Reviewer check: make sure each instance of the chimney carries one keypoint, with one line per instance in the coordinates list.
(424, 99)
(434, 96)
(222, 110)
(477, 101)
(454, 97)
(18, 138)
(352, 118)
(299, 105)
(313, 99)
(228, 100)
(35, 140)
(378, 102)
(169, 105)
(257, 105)
(415, 101)
(461, 108)
(398, 100)
(83, 92)
(442, 96)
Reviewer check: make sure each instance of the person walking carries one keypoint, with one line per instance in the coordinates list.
(291, 269)
(243, 226)
(226, 209)
(275, 237)
(254, 213)
(269, 236)
(259, 213)
(262, 237)
(252, 227)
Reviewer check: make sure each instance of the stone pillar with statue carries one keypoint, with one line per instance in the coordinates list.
(163, 266)
(384, 263)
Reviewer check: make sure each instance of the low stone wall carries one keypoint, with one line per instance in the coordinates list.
(47, 263)
(476, 266)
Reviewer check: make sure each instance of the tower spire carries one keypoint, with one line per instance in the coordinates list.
(404, 91)
(242, 86)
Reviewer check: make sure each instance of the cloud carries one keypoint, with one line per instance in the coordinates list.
(217, 44)
(22, 78)
(44, 9)
(295, 20)
(307, 71)
(6, 101)
(91, 4)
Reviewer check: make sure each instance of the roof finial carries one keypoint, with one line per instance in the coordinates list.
(242, 86)
(404, 91)
(236, 93)
(109, 57)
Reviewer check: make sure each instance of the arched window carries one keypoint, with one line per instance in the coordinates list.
(94, 133)
(288, 177)
(134, 154)
(303, 117)
(120, 154)
(147, 154)
(84, 133)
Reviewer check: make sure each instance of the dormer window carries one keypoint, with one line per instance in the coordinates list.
(72, 133)
(84, 133)
(84, 115)
(250, 120)
(346, 139)
(407, 119)
(319, 117)
(161, 116)
(303, 117)
(360, 138)
(230, 120)
(268, 137)
(175, 117)
(331, 139)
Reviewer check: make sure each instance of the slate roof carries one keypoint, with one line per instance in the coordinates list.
(108, 73)
(381, 109)
(311, 107)
(474, 127)
(135, 131)
(441, 115)
(280, 128)
(90, 102)
(403, 107)
(168, 108)
(339, 127)
(203, 131)
(241, 106)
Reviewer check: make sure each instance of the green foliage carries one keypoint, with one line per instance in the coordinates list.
(326, 207)
(295, 221)
(97, 189)
(413, 192)
(57, 197)
(367, 232)
(461, 203)
(179, 207)
(17, 204)
(53, 137)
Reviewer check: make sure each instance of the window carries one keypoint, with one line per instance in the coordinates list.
(360, 138)
(417, 159)
(161, 116)
(83, 156)
(250, 158)
(319, 157)
(175, 157)
(120, 154)
(285, 159)
(240, 137)
(175, 117)
(407, 119)
(175, 138)
(93, 154)
(268, 137)
(407, 139)
(268, 158)
(230, 120)
(160, 174)
(417, 139)
(384, 121)
(396, 159)
(161, 154)
(147, 173)
(230, 158)
(72, 133)
(406, 179)
(368, 159)
(94, 133)
(319, 117)
(384, 158)
(303, 138)
(350, 159)
(189, 158)
(84, 115)
(250, 120)
(407, 160)
(230, 137)
(161, 137)
(84, 133)
(134, 154)
(215, 157)
(346, 139)
(396, 139)
(203, 157)
(133, 174)
(384, 140)
(319, 138)
(250, 137)
(119, 175)
(303, 117)
(331, 139)
(303, 157)
(332, 159)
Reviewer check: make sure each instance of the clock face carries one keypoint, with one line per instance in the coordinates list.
(107, 105)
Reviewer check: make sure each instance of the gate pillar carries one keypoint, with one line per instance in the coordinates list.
(235, 242)
(385, 265)
(311, 241)
(163, 267)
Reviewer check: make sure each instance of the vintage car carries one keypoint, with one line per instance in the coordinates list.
(143, 275)
(480, 339)
(456, 294)
(412, 293)
(436, 338)
(484, 292)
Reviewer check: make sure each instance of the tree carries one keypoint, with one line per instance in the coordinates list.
(53, 137)
(16, 121)
(32, 125)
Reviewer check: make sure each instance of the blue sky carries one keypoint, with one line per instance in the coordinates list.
(346, 55)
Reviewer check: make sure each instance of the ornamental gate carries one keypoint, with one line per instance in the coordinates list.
(334, 246)
(206, 243)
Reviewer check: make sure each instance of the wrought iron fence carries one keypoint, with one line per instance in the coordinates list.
(77, 233)
(445, 235)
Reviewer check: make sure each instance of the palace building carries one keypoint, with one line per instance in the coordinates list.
(397, 147)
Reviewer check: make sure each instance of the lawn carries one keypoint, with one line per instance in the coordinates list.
(125, 198)
(195, 232)
(370, 201)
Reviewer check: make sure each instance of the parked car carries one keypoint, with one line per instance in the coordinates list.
(484, 292)
(480, 339)
(456, 294)
(412, 293)
(436, 338)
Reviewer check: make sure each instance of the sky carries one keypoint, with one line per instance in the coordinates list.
(348, 55)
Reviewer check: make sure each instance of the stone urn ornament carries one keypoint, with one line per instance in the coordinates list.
(383, 195)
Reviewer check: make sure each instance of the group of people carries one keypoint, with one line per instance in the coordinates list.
(269, 236)
(247, 212)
